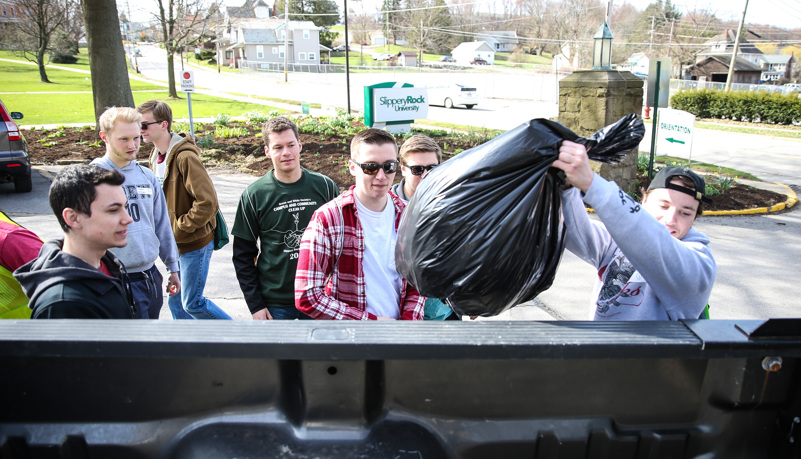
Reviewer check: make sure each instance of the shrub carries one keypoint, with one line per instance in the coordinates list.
(231, 132)
(180, 127)
(256, 117)
(222, 119)
(63, 58)
(754, 106)
(205, 142)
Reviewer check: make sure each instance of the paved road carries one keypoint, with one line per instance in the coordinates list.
(757, 259)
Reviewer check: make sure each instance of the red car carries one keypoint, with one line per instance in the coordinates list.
(15, 164)
(478, 61)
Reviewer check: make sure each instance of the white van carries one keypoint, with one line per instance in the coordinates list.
(452, 94)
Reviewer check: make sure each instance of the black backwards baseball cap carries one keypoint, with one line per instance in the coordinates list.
(663, 178)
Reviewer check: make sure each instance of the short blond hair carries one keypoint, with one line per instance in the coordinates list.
(419, 144)
(114, 114)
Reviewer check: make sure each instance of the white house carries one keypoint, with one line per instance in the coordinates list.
(469, 50)
(639, 63)
(407, 59)
(377, 38)
(264, 41)
(500, 41)
(776, 66)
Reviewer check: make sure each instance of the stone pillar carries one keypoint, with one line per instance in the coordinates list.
(592, 99)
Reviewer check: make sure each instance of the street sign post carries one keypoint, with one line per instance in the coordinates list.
(188, 86)
(658, 81)
(674, 133)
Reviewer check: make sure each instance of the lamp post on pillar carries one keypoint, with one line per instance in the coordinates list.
(602, 48)
(592, 99)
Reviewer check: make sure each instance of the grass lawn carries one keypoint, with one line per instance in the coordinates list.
(79, 108)
(504, 59)
(206, 64)
(20, 77)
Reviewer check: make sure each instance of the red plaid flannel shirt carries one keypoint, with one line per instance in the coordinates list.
(327, 289)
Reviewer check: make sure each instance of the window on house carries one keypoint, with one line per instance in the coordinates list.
(497, 46)
(312, 57)
(280, 51)
(275, 50)
(5, 12)
(305, 34)
(259, 51)
(228, 54)
(282, 35)
(301, 56)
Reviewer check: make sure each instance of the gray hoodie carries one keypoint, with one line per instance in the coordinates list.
(644, 273)
(150, 234)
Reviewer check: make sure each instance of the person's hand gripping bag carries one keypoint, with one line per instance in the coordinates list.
(485, 230)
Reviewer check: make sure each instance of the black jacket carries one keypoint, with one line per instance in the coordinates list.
(62, 286)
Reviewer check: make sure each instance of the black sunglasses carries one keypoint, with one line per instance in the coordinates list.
(418, 170)
(145, 125)
(372, 168)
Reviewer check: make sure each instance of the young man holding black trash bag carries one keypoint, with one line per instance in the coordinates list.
(652, 265)
(420, 154)
(346, 265)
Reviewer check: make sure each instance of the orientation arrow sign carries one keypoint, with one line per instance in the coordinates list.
(672, 140)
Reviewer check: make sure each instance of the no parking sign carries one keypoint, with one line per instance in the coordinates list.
(188, 81)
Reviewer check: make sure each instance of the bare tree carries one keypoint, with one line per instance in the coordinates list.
(110, 84)
(32, 34)
(574, 24)
(424, 22)
(181, 22)
(535, 27)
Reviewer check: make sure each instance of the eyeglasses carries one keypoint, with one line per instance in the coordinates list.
(419, 170)
(145, 125)
(372, 168)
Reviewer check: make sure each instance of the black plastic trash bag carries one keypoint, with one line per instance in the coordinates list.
(485, 229)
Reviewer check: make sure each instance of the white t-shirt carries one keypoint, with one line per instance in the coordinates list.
(381, 278)
(160, 170)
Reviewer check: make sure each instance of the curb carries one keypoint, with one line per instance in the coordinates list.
(792, 199)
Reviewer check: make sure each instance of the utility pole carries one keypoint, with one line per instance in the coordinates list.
(347, 56)
(651, 46)
(736, 48)
(286, 41)
(670, 42)
(132, 33)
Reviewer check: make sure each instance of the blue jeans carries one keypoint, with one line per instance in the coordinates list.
(146, 291)
(287, 313)
(191, 304)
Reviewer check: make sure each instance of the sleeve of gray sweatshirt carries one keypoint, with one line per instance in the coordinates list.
(168, 250)
(680, 273)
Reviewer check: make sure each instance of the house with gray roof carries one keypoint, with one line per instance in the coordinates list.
(469, 50)
(776, 67)
(266, 41)
(716, 69)
(501, 41)
(723, 44)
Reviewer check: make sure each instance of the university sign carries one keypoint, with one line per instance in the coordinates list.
(394, 106)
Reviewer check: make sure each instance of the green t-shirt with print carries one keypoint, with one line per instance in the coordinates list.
(275, 214)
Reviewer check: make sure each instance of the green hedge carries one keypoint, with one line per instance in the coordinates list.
(754, 106)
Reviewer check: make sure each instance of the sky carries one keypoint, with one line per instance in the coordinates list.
(779, 13)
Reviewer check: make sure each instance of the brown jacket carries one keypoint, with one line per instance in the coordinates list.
(190, 195)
